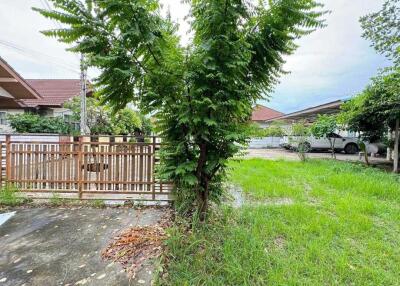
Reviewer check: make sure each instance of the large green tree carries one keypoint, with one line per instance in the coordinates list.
(98, 118)
(202, 94)
(382, 28)
(376, 110)
(323, 127)
(126, 121)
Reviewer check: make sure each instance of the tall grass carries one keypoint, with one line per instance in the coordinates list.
(342, 228)
(9, 196)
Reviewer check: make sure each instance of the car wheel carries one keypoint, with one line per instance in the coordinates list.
(351, 148)
(304, 147)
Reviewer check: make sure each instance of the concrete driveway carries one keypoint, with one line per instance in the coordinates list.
(42, 246)
(275, 154)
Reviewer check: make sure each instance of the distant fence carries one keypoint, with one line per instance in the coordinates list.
(265, 142)
(82, 168)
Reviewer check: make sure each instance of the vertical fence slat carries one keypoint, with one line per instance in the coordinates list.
(116, 174)
(8, 158)
(28, 164)
(79, 167)
(153, 177)
(1, 165)
(141, 167)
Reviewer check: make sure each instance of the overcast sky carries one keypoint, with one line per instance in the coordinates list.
(332, 63)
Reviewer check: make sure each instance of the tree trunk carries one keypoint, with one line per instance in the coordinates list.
(203, 202)
(396, 147)
(363, 148)
(366, 156)
(389, 150)
(202, 179)
(333, 154)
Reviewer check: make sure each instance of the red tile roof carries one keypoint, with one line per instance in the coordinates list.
(54, 92)
(262, 113)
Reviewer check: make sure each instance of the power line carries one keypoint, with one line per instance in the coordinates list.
(46, 5)
(35, 54)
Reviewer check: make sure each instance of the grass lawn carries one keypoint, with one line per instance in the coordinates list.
(342, 227)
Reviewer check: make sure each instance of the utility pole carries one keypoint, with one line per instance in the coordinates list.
(83, 127)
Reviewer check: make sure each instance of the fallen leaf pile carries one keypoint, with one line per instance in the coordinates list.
(136, 245)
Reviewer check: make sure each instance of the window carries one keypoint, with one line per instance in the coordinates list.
(67, 118)
(3, 118)
(334, 135)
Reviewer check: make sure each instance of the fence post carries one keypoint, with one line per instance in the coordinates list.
(8, 158)
(80, 170)
(154, 170)
(1, 165)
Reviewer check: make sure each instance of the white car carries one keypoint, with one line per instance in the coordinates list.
(347, 144)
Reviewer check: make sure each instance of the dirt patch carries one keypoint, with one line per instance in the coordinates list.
(279, 242)
(276, 202)
(237, 198)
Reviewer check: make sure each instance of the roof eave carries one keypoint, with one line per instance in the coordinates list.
(20, 79)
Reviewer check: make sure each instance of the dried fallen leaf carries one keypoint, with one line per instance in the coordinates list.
(136, 245)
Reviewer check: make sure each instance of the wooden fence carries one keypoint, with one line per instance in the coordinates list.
(83, 170)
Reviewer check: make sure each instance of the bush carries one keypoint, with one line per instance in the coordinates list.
(34, 123)
(8, 197)
(126, 121)
(275, 130)
(255, 131)
(101, 119)
(299, 134)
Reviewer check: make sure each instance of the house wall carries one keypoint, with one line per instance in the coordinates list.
(60, 111)
(4, 126)
(265, 142)
(55, 111)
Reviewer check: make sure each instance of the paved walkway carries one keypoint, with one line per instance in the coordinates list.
(42, 246)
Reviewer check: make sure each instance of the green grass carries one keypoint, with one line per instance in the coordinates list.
(343, 228)
(99, 204)
(9, 197)
(57, 201)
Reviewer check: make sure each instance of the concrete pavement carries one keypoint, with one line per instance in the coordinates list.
(46, 246)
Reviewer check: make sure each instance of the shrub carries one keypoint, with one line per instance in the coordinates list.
(9, 197)
(274, 131)
(299, 133)
(34, 123)
(255, 131)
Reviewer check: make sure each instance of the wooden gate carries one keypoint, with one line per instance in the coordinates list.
(84, 169)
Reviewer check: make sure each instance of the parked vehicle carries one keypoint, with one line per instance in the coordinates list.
(347, 144)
